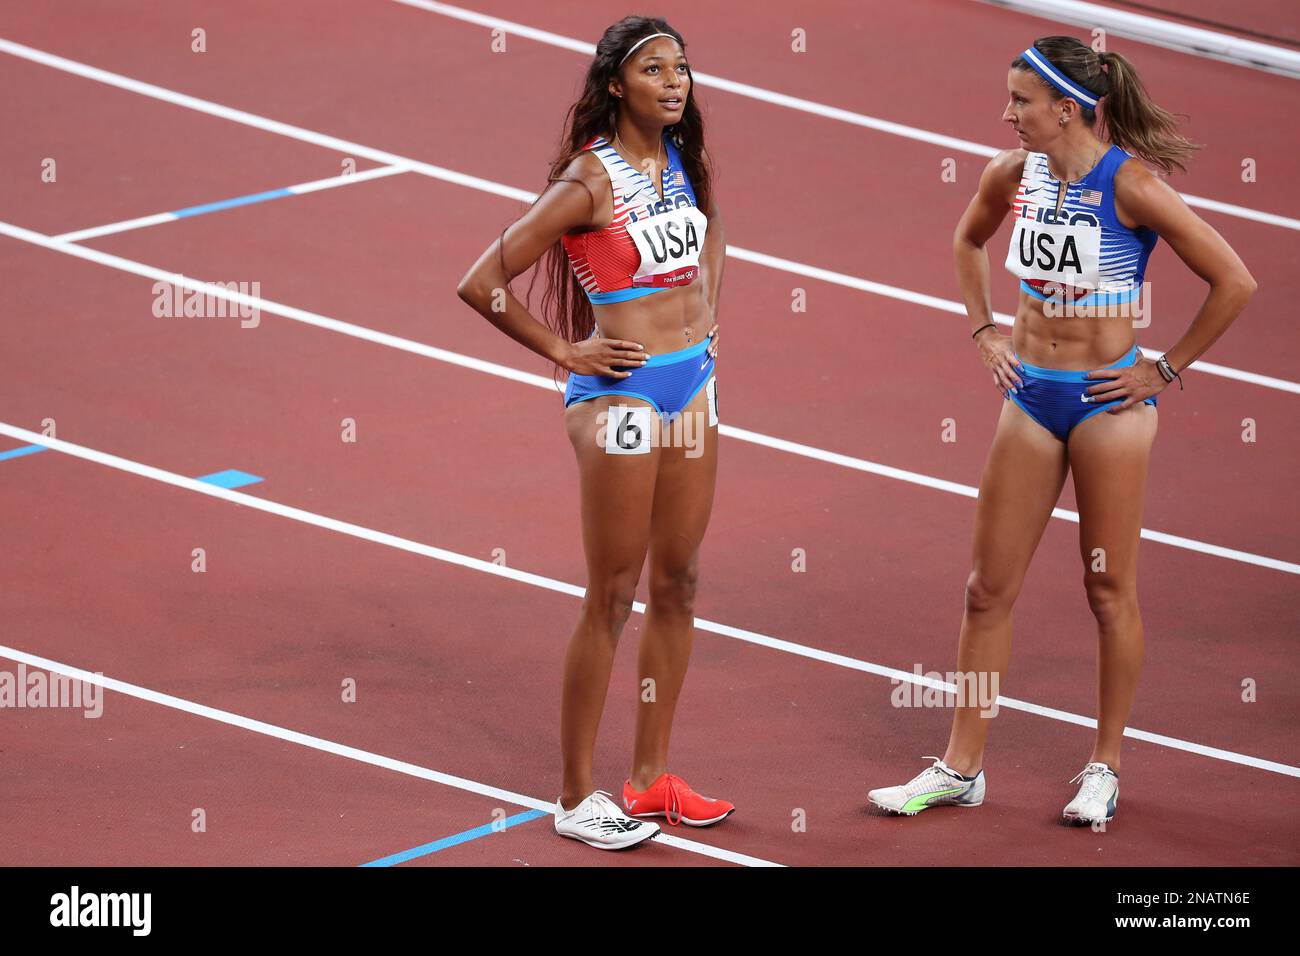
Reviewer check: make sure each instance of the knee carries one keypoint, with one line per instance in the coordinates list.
(672, 590)
(1112, 601)
(984, 594)
(609, 601)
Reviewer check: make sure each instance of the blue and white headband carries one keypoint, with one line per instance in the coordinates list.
(1058, 79)
(644, 40)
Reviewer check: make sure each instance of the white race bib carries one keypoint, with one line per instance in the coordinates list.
(627, 430)
(670, 245)
(711, 392)
(1055, 252)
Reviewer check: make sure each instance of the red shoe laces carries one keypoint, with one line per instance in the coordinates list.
(677, 789)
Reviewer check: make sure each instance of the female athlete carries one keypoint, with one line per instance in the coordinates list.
(1080, 397)
(635, 254)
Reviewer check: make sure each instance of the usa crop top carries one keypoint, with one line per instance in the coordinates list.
(1083, 253)
(652, 244)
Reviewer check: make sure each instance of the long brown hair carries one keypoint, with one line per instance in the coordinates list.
(565, 307)
(1129, 118)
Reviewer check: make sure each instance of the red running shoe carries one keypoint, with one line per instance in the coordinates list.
(669, 797)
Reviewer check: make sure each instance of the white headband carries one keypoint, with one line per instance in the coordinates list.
(640, 41)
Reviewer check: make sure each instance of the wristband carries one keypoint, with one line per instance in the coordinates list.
(991, 325)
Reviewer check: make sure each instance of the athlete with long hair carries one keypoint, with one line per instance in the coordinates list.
(1087, 214)
(635, 250)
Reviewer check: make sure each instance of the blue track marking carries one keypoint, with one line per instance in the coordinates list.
(231, 203)
(230, 478)
(20, 452)
(457, 839)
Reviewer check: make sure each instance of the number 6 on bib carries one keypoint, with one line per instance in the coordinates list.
(627, 430)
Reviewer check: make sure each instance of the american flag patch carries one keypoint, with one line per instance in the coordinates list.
(677, 178)
(1090, 197)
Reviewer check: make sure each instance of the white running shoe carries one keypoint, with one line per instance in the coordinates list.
(938, 784)
(1097, 796)
(599, 822)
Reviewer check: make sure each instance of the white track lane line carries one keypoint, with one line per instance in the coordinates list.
(316, 185)
(528, 378)
(523, 195)
(563, 587)
(346, 147)
(808, 106)
(342, 750)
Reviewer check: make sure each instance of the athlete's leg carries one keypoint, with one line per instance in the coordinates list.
(617, 492)
(682, 504)
(1022, 480)
(1109, 456)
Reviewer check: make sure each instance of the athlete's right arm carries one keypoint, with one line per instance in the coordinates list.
(564, 207)
(987, 210)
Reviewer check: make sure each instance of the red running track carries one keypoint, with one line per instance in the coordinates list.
(458, 671)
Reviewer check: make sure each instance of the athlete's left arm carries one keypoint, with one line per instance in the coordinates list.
(1145, 199)
(712, 258)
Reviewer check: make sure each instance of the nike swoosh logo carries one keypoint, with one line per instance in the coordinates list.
(1034, 190)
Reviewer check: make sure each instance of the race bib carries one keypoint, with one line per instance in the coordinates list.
(711, 390)
(670, 245)
(1056, 254)
(627, 430)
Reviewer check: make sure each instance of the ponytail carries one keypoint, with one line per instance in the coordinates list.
(1136, 124)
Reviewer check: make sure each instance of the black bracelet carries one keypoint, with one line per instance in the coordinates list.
(991, 325)
(1167, 371)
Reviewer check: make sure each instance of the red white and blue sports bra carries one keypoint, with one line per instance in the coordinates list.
(652, 244)
(1082, 253)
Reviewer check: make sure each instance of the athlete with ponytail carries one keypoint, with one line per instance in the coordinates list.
(1080, 397)
(635, 249)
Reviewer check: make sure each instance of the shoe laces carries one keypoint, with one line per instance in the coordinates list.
(926, 779)
(1094, 780)
(677, 790)
(604, 808)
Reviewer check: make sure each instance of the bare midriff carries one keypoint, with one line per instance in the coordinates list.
(1078, 339)
(658, 322)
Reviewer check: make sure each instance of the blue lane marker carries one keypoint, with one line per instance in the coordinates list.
(458, 839)
(231, 203)
(20, 452)
(230, 478)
